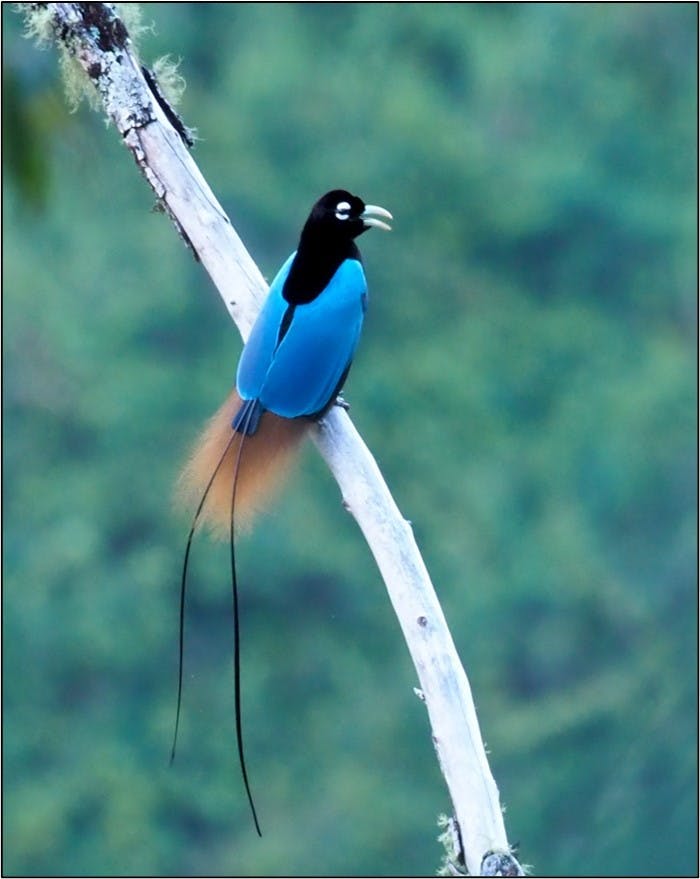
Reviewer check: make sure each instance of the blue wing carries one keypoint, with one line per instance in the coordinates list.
(262, 341)
(299, 375)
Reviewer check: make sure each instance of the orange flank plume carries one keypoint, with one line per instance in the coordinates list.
(264, 461)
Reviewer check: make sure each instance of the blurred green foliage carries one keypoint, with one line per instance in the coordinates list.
(526, 381)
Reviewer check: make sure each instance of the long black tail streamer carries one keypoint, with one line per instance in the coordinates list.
(236, 631)
(236, 627)
(183, 589)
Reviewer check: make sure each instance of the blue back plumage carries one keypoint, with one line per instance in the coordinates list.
(299, 375)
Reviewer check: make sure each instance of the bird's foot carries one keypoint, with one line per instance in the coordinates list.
(342, 402)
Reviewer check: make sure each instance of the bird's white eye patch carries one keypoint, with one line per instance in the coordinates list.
(342, 210)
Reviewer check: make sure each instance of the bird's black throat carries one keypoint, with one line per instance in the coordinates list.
(317, 260)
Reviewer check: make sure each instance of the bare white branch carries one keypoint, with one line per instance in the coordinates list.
(95, 36)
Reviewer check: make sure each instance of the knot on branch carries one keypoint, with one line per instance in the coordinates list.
(500, 864)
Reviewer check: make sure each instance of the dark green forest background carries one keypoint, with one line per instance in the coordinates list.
(526, 380)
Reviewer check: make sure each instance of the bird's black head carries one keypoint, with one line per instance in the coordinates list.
(327, 239)
(342, 216)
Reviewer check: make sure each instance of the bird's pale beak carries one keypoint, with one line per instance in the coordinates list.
(371, 217)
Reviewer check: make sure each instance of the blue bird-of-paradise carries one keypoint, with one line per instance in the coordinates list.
(290, 373)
